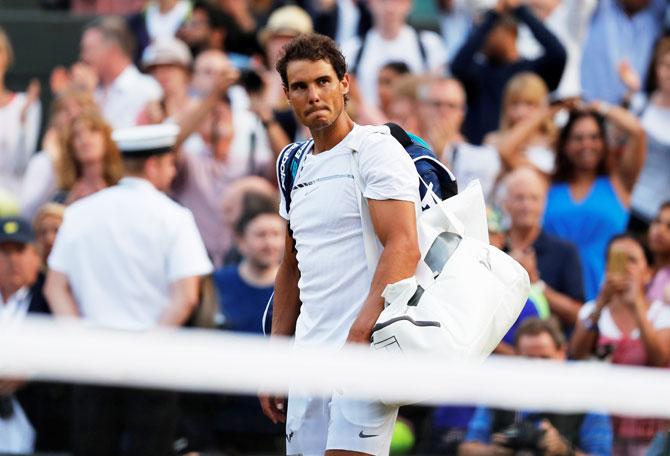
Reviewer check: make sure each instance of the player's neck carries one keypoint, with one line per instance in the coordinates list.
(332, 135)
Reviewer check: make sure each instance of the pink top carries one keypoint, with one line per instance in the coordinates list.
(659, 283)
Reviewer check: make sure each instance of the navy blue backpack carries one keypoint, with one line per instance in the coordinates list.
(435, 177)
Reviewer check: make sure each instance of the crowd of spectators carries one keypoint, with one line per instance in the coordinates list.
(560, 108)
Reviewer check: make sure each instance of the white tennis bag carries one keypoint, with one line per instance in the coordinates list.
(465, 295)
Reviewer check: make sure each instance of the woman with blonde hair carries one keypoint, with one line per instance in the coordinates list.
(527, 131)
(90, 161)
(19, 122)
(46, 224)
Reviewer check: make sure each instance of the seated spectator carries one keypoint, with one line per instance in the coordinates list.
(658, 239)
(552, 263)
(39, 182)
(391, 39)
(169, 60)
(557, 434)
(121, 90)
(441, 113)
(388, 75)
(627, 328)
(527, 131)
(653, 187)
(90, 160)
(245, 288)
(19, 267)
(206, 28)
(160, 19)
(20, 120)
(620, 31)
(589, 199)
(484, 79)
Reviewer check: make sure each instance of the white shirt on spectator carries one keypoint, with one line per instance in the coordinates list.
(16, 307)
(165, 25)
(121, 248)
(658, 314)
(18, 140)
(327, 227)
(16, 433)
(39, 184)
(124, 99)
(404, 48)
(569, 21)
(469, 162)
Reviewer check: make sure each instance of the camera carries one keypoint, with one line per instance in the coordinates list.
(524, 438)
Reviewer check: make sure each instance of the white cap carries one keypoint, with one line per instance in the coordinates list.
(146, 140)
(167, 51)
(288, 20)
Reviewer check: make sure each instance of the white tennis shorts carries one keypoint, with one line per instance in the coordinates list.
(317, 424)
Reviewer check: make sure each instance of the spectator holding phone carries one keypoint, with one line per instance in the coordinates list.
(623, 324)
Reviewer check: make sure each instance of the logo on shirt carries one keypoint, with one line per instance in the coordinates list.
(366, 436)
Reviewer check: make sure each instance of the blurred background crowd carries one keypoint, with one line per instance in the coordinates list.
(560, 108)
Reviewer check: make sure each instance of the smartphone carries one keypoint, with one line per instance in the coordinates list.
(617, 262)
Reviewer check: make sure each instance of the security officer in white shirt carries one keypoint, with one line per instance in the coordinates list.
(129, 258)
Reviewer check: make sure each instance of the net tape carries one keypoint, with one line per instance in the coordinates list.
(215, 361)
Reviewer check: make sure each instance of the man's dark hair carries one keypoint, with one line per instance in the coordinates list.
(534, 327)
(397, 67)
(565, 170)
(254, 205)
(114, 29)
(312, 47)
(216, 18)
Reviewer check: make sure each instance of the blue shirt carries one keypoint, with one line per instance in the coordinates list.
(241, 304)
(614, 36)
(595, 432)
(559, 265)
(589, 224)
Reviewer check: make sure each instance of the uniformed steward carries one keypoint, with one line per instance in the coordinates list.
(130, 258)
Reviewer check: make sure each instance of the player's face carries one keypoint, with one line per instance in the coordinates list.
(315, 92)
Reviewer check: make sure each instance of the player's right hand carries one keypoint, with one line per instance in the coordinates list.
(274, 407)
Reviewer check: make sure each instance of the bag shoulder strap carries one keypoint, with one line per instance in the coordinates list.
(370, 241)
(288, 166)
